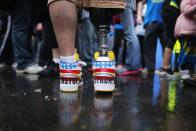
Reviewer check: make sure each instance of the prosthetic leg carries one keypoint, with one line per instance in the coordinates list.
(104, 63)
(70, 65)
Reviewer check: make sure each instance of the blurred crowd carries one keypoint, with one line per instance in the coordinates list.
(28, 43)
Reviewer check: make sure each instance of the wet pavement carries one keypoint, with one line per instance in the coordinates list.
(139, 103)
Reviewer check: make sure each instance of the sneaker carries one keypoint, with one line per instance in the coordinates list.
(70, 75)
(14, 65)
(167, 73)
(104, 72)
(28, 77)
(52, 69)
(32, 69)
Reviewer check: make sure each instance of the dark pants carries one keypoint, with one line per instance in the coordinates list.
(153, 32)
(170, 15)
(6, 55)
(49, 42)
(22, 32)
(141, 40)
(119, 47)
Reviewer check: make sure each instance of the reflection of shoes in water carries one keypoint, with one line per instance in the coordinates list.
(70, 75)
(69, 97)
(103, 102)
(30, 77)
(102, 110)
(69, 108)
(104, 72)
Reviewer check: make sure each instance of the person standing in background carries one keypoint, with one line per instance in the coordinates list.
(185, 30)
(155, 28)
(170, 12)
(133, 52)
(22, 27)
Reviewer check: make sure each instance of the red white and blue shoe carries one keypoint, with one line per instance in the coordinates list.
(104, 71)
(70, 75)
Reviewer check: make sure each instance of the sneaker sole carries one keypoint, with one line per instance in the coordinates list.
(68, 84)
(104, 87)
(68, 88)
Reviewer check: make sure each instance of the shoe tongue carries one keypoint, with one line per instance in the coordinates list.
(103, 58)
(76, 56)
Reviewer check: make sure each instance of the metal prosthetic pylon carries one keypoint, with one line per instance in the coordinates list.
(103, 30)
(104, 64)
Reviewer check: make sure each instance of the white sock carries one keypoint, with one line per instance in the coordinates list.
(56, 60)
(69, 59)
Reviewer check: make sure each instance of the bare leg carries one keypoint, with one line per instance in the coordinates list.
(167, 58)
(64, 18)
(55, 53)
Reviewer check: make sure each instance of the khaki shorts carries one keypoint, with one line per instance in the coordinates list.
(119, 4)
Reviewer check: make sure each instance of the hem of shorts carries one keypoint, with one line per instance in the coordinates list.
(63, 0)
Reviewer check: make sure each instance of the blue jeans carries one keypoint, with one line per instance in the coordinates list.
(133, 53)
(119, 47)
(22, 32)
(87, 41)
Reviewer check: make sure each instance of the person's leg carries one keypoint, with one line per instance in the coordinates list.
(167, 42)
(48, 43)
(149, 47)
(87, 41)
(21, 32)
(64, 18)
(133, 53)
(169, 39)
(167, 58)
(104, 69)
(21, 36)
(56, 55)
(49, 52)
(119, 47)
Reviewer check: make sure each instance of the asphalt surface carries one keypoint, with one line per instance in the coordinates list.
(139, 103)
